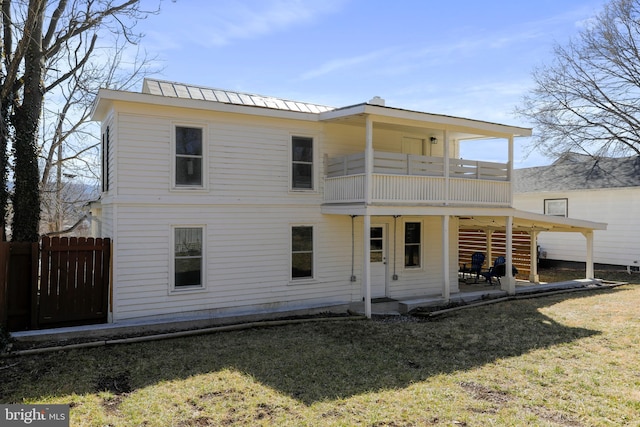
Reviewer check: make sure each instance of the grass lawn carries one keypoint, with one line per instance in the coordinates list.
(562, 360)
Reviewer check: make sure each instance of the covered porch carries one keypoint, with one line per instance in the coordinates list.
(439, 270)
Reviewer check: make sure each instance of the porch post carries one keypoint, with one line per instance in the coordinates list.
(446, 287)
(589, 236)
(447, 162)
(510, 282)
(489, 239)
(533, 266)
(368, 162)
(510, 170)
(366, 273)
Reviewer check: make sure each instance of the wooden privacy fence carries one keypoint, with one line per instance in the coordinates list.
(61, 282)
(470, 241)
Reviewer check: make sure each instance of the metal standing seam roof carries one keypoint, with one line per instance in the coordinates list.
(184, 91)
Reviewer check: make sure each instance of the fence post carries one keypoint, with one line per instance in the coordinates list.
(35, 282)
(4, 278)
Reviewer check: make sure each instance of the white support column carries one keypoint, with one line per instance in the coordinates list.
(510, 170)
(533, 266)
(446, 286)
(489, 240)
(509, 284)
(589, 236)
(447, 161)
(366, 269)
(368, 161)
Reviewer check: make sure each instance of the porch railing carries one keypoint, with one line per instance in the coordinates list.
(411, 164)
(402, 178)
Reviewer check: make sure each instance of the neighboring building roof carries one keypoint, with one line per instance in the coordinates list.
(181, 90)
(573, 171)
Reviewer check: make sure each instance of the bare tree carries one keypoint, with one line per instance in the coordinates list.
(44, 45)
(70, 149)
(588, 99)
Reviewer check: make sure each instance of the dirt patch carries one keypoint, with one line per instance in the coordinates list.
(481, 392)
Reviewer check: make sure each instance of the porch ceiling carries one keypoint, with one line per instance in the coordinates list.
(528, 221)
(475, 218)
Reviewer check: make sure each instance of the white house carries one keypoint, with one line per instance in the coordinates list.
(223, 203)
(599, 189)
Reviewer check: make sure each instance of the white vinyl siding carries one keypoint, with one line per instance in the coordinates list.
(246, 210)
(618, 207)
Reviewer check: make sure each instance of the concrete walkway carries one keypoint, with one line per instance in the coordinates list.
(383, 308)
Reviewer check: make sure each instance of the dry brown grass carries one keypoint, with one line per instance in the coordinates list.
(561, 360)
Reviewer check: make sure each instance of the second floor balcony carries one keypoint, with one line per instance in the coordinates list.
(417, 180)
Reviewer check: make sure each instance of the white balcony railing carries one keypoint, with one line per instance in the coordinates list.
(402, 178)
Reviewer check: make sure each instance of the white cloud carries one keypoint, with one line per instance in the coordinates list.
(344, 63)
(228, 21)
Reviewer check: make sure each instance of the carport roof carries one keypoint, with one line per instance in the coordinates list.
(475, 217)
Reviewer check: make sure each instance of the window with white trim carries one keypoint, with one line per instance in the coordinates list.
(301, 252)
(301, 163)
(412, 244)
(189, 157)
(188, 262)
(555, 207)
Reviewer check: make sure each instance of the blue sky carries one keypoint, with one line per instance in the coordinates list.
(463, 58)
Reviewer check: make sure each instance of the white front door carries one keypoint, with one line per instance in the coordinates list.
(378, 257)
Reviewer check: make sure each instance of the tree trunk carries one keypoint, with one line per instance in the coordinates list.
(4, 166)
(26, 196)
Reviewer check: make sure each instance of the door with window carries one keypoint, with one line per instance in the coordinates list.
(378, 257)
(415, 146)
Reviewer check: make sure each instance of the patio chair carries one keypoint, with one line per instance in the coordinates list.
(498, 270)
(477, 261)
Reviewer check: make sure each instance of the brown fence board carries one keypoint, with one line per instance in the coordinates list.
(76, 271)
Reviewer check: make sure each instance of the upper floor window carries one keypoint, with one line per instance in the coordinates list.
(301, 163)
(189, 153)
(555, 207)
(412, 240)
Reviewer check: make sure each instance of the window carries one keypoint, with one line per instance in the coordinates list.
(301, 252)
(188, 257)
(412, 237)
(105, 160)
(189, 157)
(302, 163)
(555, 207)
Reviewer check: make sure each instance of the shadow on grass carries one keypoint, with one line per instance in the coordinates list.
(310, 362)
